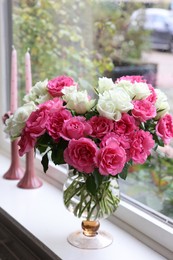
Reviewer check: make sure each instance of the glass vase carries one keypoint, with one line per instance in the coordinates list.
(90, 208)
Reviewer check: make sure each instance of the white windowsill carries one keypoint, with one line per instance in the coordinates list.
(41, 211)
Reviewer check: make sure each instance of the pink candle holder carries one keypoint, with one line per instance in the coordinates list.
(30, 179)
(15, 172)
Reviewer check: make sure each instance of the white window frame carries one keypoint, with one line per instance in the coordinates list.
(3, 75)
(147, 228)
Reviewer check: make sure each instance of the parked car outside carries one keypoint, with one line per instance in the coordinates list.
(160, 24)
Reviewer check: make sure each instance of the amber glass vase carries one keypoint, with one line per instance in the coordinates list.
(91, 207)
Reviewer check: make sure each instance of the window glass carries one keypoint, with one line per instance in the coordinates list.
(88, 39)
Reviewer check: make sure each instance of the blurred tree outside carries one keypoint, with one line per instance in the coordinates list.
(114, 36)
(58, 36)
(77, 38)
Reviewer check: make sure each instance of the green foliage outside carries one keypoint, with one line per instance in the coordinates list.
(73, 37)
(114, 36)
(52, 31)
(152, 183)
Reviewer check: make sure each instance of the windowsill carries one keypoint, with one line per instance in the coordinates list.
(41, 211)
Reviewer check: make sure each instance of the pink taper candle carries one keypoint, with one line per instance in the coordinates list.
(30, 179)
(15, 172)
(13, 101)
(28, 75)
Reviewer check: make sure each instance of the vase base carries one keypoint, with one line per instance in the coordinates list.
(101, 240)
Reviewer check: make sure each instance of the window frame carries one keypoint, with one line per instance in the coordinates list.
(5, 50)
(139, 223)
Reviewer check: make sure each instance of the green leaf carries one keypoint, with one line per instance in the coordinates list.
(98, 178)
(158, 140)
(45, 162)
(91, 185)
(57, 155)
(90, 114)
(43, 142)
(123, 174)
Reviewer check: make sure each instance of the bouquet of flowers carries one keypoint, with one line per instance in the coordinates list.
(98, 136)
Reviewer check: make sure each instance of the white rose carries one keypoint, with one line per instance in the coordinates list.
(127, 86)
(137, 90)
(161, 104)
(23, 112)
(43, 98)
(113, 103)
(37, 91)
(105, 84)
(16, 122)
(141, 90)
(79, 101)
(68, 92)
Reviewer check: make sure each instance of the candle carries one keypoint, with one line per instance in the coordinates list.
(13, 101)
(28, 76)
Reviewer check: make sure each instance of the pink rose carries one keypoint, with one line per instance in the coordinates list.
(57, 84)
(80, 154)
(164, 128)
(111, 159)
(143, 110)
(75, 127)
(26, 143)
(141, 145)
(125, 126)
(36, 123)
(100, 126)
(153, 96)
(122, 140)
(54, 104)
(132, 79)
(124, 129)
(109, 137)
(55, 122)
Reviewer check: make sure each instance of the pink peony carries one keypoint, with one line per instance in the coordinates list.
(80, 154)
(164, 128)
(100, 126)
(26, 143)
(75, 127)
(57, 84)
(55, 122)
(143, 110)
(111, 159)
(141, 145)
(36, 123)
